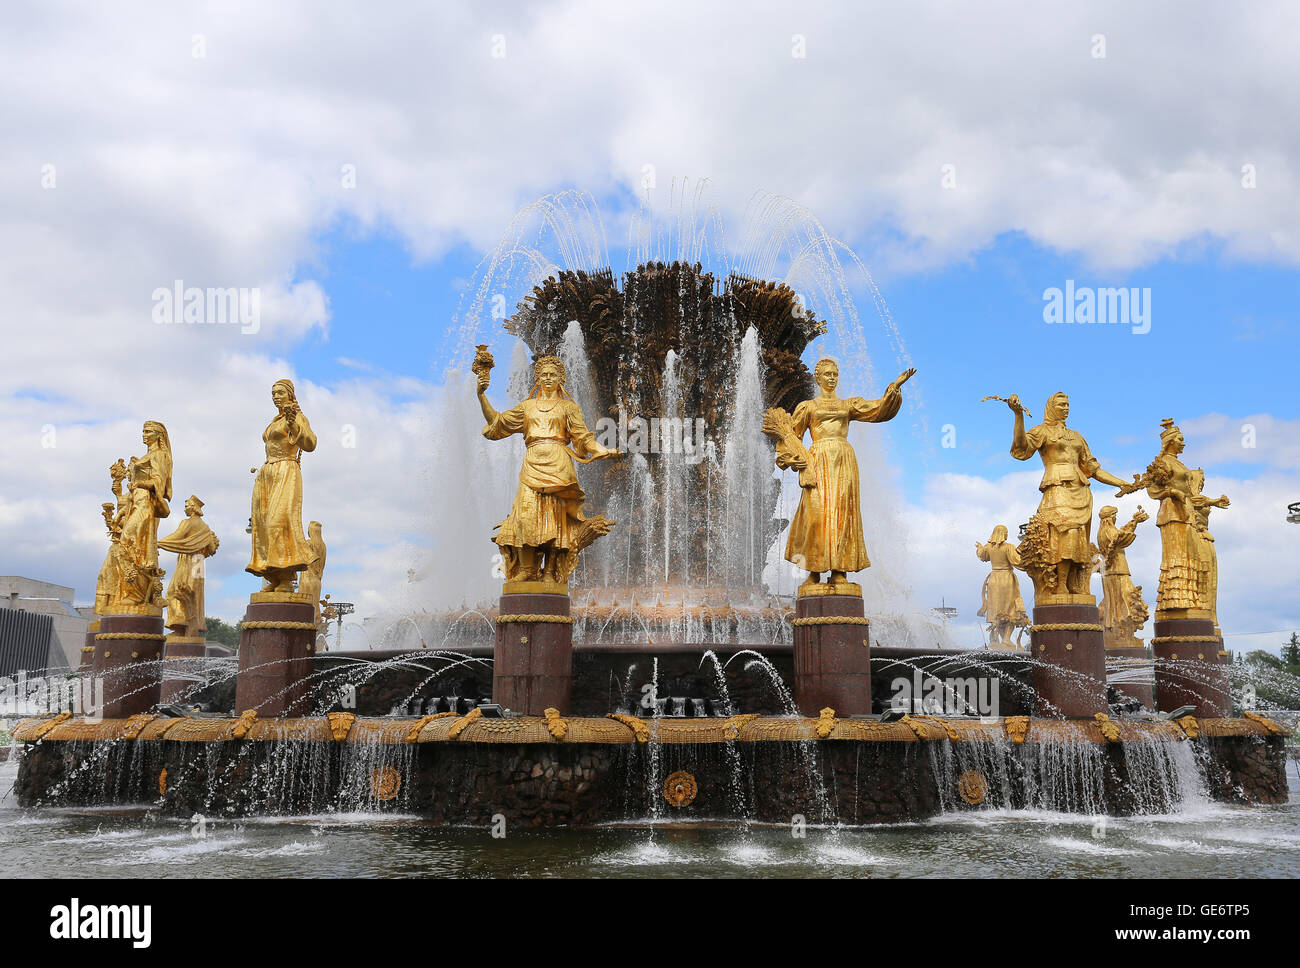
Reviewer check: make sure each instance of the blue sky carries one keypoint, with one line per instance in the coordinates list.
(1221, 340)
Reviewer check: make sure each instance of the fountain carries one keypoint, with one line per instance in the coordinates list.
(636, 659)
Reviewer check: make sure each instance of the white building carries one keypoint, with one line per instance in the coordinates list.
(45, 598)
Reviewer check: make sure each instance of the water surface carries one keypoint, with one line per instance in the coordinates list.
(1204, 840)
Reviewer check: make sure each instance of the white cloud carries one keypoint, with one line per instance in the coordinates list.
(1259, 553)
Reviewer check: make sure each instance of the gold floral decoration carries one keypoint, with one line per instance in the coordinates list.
(385, 782)
(680, 788)
(973, 787)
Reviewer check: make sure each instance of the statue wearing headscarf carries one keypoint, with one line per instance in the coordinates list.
(192, 542)
(1064, 552)
(1002, 606)
(137, 579)
(280, 549)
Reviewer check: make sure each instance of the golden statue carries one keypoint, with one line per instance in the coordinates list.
(310, 582)
(541, 538)
(1122, 610)
(131, 577)
(1002, 605)
(826, 533)
(1184, 563)
(280, 549)
(192, 542)
(114, 514)
(1057, 551)
(1209, 570)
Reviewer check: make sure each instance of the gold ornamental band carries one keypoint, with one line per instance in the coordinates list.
(157, 636)
(1066, 627)
(831, 620)
(1184, 638)
(279, 625)
(525, 618)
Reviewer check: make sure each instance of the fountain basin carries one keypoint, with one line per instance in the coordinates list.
(536, 771)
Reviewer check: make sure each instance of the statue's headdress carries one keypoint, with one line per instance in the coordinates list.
(1052, 409)
(556, 362)
(288, 385)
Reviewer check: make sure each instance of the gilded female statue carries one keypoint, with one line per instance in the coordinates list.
(826, 533)
(541, 537)
(1002, 607)
(280, 549)
(138, 579)
(192, 542)
(1209, 570)
(1063, 548)
(106, 585)
(1183, 560)
(309, 585)
(1122, 609)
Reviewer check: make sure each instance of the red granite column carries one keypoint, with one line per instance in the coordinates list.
(276, 646)
(832, 655)
(1191, 667)
(532, 667)
(1070, 674)
(184, 660)
(128, 653)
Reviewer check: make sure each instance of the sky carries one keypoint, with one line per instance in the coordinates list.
(354, 164)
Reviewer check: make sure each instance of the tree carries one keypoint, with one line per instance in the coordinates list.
(1265, 659)
(1291, 651)
(223, 632)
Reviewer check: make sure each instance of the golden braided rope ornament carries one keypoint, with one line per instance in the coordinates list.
(1067, 627)
(527, 618)
(150, 636)
(279, 625)
(831, 620)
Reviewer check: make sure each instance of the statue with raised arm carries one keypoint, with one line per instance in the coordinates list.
(826, 533)
(1002, 606)
(1122, 610)
(280, 549)
(192, 542)
(546, 529)
(1183, 519)
(1058, 550)
(1209, 570)
(114, 514)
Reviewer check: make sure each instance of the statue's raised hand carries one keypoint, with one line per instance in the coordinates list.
(903, 377)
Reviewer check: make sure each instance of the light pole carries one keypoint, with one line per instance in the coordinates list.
(336, 611)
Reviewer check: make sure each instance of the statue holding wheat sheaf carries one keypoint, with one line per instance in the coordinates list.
(826, 533)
